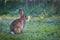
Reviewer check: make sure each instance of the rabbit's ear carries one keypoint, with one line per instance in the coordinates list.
(22, 12)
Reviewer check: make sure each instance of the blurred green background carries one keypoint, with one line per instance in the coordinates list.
(43, 21)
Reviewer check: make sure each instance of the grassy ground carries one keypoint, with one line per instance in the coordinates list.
(35, 29)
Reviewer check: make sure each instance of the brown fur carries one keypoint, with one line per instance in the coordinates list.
(18, 24)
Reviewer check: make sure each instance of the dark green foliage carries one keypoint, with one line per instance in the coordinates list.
(4, 13)
(51, 7)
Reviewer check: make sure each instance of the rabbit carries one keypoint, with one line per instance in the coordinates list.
(17, 25)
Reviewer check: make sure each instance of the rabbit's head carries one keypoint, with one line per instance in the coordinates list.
(21, 11)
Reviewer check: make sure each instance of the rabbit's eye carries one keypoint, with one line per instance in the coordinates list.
(26, 17)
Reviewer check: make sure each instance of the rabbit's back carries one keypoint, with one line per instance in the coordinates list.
(15, 22)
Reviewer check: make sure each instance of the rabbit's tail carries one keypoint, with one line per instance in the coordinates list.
(12, 32)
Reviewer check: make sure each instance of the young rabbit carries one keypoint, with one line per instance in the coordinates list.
(18, 24)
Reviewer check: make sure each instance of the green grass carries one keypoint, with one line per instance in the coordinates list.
(42, 29)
